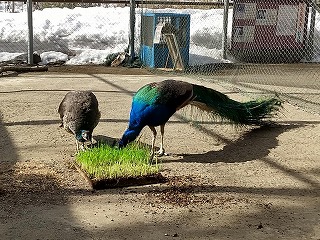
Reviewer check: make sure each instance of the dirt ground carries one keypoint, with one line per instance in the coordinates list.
(224, 182)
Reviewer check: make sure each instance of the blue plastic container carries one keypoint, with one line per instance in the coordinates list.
(154, 50)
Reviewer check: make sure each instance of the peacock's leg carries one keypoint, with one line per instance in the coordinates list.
(154, 135)
(161, 151)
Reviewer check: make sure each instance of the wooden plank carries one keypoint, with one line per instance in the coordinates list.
(174, 51)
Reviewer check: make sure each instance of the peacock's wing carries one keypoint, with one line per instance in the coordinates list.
(175, 94)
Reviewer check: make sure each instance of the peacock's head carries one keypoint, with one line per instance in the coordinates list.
(128, 136)
(122, 143)
(83, 135)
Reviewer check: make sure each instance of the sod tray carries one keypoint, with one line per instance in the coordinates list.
(109, 167)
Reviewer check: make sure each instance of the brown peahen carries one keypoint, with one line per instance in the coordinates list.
(79, 114)
(155, 103)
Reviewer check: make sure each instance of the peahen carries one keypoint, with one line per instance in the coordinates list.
(79, 115)
(156, 102)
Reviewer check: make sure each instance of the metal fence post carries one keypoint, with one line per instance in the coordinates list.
(310, 41)
(225, 29)
(30, 35)
(132, 28)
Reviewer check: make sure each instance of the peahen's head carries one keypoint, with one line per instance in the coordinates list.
(83, 135)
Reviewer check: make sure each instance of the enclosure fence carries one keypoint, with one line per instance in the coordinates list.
(252, 46)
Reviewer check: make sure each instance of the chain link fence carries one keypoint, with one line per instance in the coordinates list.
(272, 47)
(80, 36)
(261, 47)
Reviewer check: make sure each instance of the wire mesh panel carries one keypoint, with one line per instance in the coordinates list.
(82, 35)
(272, 48)
(284, 35)
(272, 31)
(13, 35)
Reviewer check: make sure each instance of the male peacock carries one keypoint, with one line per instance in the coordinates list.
(155, 103)
(79, 115)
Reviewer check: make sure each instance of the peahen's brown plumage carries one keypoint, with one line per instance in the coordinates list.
(79, 114)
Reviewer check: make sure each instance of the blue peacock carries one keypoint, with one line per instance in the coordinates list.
(79, 114)
(156, 102)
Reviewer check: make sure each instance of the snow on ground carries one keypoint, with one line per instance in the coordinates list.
(93, 33)
(87, 35)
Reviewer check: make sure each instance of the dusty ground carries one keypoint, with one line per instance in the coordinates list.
(225, 182)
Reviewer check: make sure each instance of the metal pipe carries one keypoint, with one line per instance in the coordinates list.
(139, 2)
(310, 41)
(225, 29)
(30, 32)
(132, 28)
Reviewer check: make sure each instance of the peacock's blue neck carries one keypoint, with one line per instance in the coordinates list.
(129, 135)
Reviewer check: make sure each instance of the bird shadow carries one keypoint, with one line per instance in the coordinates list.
(101, 139)
(254, 144)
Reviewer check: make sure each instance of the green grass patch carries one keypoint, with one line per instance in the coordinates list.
(106, 162)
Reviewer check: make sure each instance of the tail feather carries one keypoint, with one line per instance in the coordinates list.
(217, 103)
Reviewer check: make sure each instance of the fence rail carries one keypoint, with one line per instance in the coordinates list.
(127, 2)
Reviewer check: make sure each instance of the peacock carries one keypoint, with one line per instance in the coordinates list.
(154, 103)
(79, 114)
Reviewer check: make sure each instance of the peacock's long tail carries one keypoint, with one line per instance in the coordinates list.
(217, 103)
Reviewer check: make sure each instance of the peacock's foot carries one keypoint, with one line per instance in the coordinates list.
(161, 152)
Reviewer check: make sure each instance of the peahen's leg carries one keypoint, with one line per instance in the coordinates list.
(91, 140)
(161, 151)
(154, 135)
(80, 146)
(77, 143)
